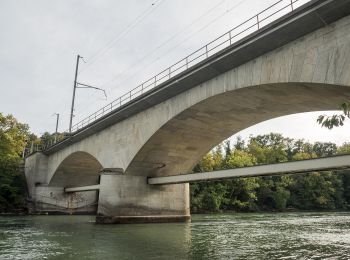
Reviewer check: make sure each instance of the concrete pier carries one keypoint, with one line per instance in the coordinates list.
(129, 199)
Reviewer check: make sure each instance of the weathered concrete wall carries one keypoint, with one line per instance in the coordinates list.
(129, 199)
(78, 169)
(36, 172)
(54, 200)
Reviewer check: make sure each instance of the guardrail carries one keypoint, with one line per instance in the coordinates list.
(249, 26)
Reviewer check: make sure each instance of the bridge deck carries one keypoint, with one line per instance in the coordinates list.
(321, 164)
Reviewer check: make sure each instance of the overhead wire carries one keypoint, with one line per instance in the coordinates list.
(208, 11)
(150, 9)
(179, 44)
(118, 37)
(166, 42)
(164, 54)
(121, 35)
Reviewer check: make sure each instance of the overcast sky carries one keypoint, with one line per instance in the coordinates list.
(123, 44)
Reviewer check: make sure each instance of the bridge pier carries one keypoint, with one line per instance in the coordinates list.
(129, 199)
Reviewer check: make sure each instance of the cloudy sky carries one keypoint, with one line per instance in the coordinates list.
(123, 43)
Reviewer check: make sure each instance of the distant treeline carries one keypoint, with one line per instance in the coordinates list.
(311, 191)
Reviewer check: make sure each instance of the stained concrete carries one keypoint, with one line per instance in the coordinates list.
(76, 170)
(53, 200)
(125, 199)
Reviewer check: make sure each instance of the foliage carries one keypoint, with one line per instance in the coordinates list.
(13, 137)
(327, 190)
(335, 120)
(12, 184)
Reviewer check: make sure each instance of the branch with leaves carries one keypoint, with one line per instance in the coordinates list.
(337, 119)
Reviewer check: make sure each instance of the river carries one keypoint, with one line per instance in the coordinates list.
(216, 236)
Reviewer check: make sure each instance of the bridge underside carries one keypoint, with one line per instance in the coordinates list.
(79, 168)
(178, 145)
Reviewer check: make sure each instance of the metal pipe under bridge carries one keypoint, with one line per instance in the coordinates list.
(338, 162)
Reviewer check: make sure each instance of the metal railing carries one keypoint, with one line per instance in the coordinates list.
(249, 26)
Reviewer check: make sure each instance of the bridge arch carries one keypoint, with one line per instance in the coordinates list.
(181, 142)
(78, 169)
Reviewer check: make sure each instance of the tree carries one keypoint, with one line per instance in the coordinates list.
(13, 137)
(271, 148)
(241, 192)
(324, 149)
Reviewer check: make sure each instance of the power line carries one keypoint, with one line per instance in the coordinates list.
(166, 42)
(174, 47)
(211, 9)
(122, 34)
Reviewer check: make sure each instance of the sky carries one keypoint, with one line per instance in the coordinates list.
(123, 44)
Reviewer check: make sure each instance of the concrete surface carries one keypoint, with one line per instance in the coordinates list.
(126, 199)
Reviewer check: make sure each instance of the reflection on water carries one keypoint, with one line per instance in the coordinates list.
(221, 236)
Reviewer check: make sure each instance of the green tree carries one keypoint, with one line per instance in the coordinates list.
(318, 191)
(271, 148)
(13, 137)
(324, 149)
(241, 192)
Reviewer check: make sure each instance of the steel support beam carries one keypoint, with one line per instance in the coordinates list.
(303, 166)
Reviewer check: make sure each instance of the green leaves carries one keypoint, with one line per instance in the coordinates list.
(304, 191)
(12, 136)
(335, 120)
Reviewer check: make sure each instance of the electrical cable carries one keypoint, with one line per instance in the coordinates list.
(165, 42)
(102, 51)
(186, 39)
(164, 54)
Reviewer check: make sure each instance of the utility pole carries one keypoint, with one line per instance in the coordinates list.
(57, 119)
(73, 98)
(79, 85)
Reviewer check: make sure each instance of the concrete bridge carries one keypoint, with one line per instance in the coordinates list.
(298, 63)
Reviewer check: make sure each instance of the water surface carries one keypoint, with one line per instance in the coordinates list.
(217, 236)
